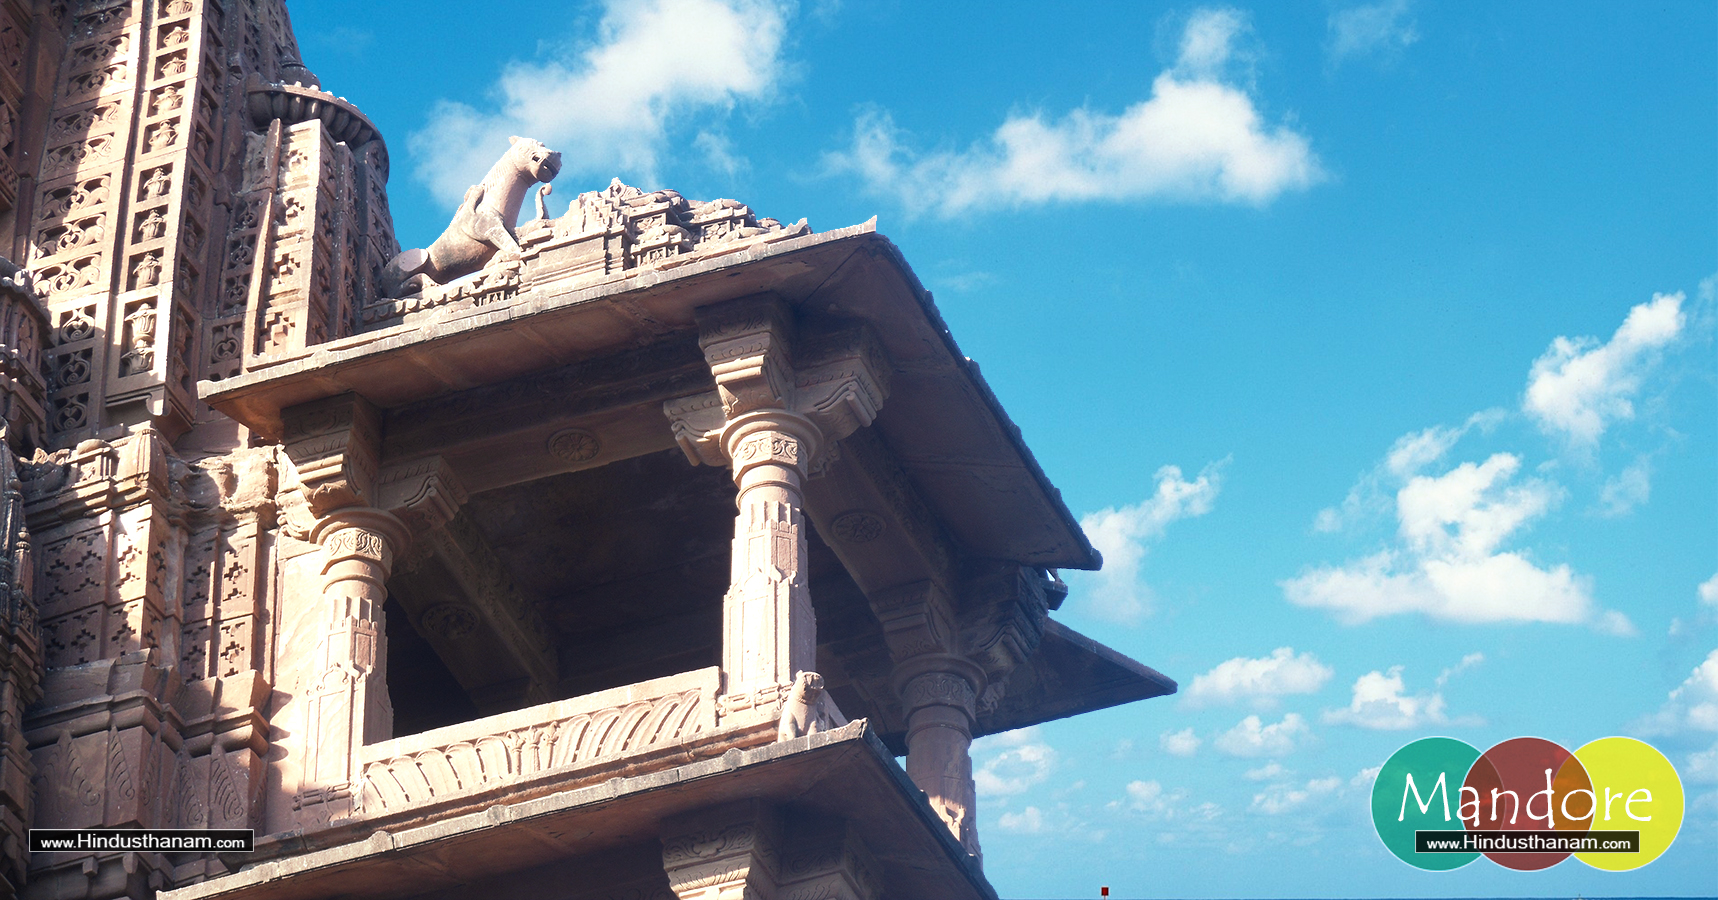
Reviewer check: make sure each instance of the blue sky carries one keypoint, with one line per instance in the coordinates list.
(1372, 342)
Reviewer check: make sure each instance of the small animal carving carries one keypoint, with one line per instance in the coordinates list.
(482, 227)
(801, 714)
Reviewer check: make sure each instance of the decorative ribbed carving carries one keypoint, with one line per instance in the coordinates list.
(504, 748)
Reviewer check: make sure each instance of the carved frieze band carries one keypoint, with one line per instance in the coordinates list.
(504, 748)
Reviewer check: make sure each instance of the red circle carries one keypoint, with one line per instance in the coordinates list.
(1527, 784)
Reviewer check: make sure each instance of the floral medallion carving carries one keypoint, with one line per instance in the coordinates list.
(857, 527)
(448, 620)
(574, 445)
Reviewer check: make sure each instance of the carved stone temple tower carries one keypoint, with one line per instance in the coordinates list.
(620, 554)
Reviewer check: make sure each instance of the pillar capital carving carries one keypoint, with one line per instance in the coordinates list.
(770, 437)
(731, 851)
(361, 533)
(834, 379)
(941, 688)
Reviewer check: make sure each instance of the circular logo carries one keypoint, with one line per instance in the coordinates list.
(1527, 804)
(1518, 786)
(1417, 791)
(1624, 769)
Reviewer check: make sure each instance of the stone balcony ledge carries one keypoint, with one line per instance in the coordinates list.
(845, 772)
(462, 761)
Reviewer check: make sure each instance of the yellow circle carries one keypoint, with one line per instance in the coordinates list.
(1624, 769)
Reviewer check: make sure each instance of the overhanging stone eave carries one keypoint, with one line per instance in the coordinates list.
(1069, 675)
(409, 362)
(851, 272)
(1081, 555)
(847, 772)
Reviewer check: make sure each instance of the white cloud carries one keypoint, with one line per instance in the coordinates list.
(1149, 797)
(1197, 138)
(1693, 705)
(1251, 737)
(1375, 29)
(1281, 798)
(1451, 563)
(1708, 592)
(1380, 702)
(1026, 763)
(1026, 821)
(1260, 681)
(1179, 743)
(1579, 386)
(1702, 767)
(1115, 593)
(609, 106)
(1365, 777)
(1267, 772)
(1467, 662)
(1409, 456)
(1628, 489)
(719, 152)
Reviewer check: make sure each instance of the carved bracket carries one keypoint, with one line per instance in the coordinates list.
(839, 384)
(423, 493)
(335, 444)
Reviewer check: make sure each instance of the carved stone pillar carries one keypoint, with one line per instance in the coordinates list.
(769, 627)
(334, 444)
(348, 705)
(939, 689)
(780, 403)
(941, 711)
(728, 852)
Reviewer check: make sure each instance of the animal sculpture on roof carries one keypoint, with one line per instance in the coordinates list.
(482, 227)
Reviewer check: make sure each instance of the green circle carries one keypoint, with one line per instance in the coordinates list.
(1419, 788)
(1622, 768)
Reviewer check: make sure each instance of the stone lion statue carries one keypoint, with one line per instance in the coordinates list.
(483, 225)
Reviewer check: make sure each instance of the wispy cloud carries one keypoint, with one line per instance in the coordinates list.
(1412, 453)
(1267, 772)
(1450, 561)
(1116, 593)
(1467, 662)
(1381, 702)
(1580, 386)
(1259, 681)
(1283, 798)
(1692, 705)
(1150, 797)
(1179, 743)
(1026, 762)
(1198, 137)
(1455, 556)
(609, 104)
(1251, 737)
(1627, 489)
(1379, 30)
(1027, 821)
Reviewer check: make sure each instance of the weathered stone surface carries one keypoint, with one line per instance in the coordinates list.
(652, 496)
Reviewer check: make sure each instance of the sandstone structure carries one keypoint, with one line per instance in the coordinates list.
(426, 566)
